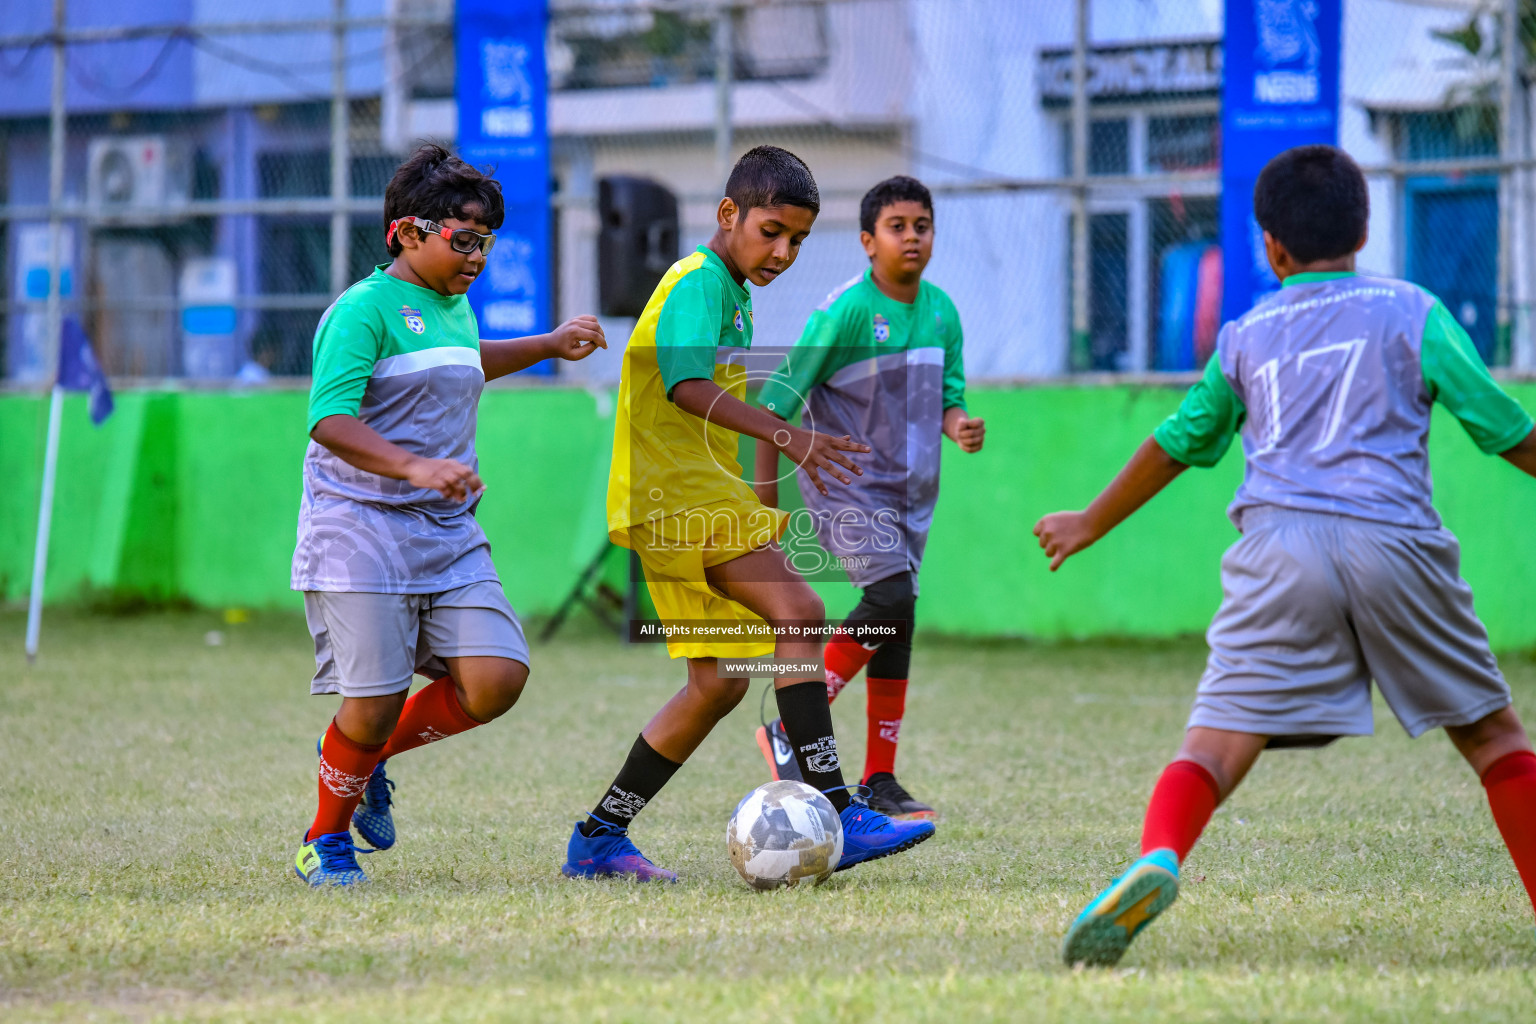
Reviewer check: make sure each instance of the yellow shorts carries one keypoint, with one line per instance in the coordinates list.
(675, 552)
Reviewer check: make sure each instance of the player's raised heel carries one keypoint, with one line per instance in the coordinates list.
(1105, 928)
(608, 853)
(869, 835)
(888, 796)
(774, 743)
(330, 859)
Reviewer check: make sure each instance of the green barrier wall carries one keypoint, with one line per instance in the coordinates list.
(191, 494)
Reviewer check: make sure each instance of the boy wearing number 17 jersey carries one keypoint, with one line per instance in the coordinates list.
(1344, 574)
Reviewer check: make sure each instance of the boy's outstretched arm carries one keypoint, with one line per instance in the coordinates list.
(1066, 533)
(575, 339)
(1523, 455)
(815, 453)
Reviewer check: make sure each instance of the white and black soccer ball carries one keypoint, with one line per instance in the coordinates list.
(784, 833)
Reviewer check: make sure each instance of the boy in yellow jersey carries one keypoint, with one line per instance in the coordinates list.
(709, 547)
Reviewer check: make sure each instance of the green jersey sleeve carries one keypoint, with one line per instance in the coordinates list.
(688, 330)
(954, 358)
(806, 365)
(1211, 414)
(1457, 378)
(347, 344)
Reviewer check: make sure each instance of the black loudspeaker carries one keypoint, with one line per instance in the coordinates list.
(636, 243)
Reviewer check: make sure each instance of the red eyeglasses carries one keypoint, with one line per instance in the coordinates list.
(461, 239)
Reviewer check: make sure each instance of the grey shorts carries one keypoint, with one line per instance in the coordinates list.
(369, 645)
(1316, 606)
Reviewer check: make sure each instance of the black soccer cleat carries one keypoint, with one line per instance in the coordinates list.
(889, 798)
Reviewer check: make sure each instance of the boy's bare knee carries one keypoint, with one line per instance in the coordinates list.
(721, 695)
(803, 606)
(491, 691)
(369, 720)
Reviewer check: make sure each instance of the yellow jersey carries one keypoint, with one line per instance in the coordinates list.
(697, 324)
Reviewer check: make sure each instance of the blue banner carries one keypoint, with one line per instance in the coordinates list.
(1280, 88)
(504, 125)
(79, 370)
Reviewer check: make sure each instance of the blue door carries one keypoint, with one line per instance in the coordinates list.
(1453, 250)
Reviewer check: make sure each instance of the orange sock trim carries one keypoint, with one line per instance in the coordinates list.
(1182, 803)
(1511, 786)
(432, 713)
(887, 705)
(844, 657)
(345, 767)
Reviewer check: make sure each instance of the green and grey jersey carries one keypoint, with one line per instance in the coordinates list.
(1330, 383)
(406, 362)
(884, 372)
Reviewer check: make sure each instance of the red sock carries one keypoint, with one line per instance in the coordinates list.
(1181, 805)
(887, 704)
(433, 713)
(344, 770)
(844, 656)
(1511, 785)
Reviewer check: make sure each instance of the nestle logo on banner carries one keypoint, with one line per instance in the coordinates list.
(1277, 87)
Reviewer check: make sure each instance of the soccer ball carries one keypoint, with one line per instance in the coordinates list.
(784, 833)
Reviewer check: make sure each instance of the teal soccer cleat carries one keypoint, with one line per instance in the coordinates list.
(1101, 933)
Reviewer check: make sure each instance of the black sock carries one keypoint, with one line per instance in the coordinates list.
(638, 782)
(807, 721)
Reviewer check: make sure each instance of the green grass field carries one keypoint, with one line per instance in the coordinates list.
(154, 787)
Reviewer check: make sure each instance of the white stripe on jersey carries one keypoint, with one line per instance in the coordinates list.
(927, 355)
(426, 359)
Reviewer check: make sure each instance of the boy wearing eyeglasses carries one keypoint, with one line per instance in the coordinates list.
(396, 572)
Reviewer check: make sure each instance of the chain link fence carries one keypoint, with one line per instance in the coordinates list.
(222, 177)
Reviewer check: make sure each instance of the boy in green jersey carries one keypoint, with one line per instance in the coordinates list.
(880, 360)
(396, 572)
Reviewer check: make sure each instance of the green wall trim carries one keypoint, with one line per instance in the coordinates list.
(194, 495)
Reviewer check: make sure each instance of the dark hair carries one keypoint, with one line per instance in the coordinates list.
(900, 189)
(435, 184)
(770, 176)
(1313, 200)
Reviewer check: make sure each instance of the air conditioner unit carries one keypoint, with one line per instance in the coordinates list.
(138, 172)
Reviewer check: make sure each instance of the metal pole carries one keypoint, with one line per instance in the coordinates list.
(55, 322)
(341, 155)
(1508, 183)
(1078, 356)
(723, 72)
(44, 525)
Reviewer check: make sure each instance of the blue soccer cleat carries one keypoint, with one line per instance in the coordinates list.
(608, 853)
(372, 818)
(329, 859)
(1101, 933)
(870, 835)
